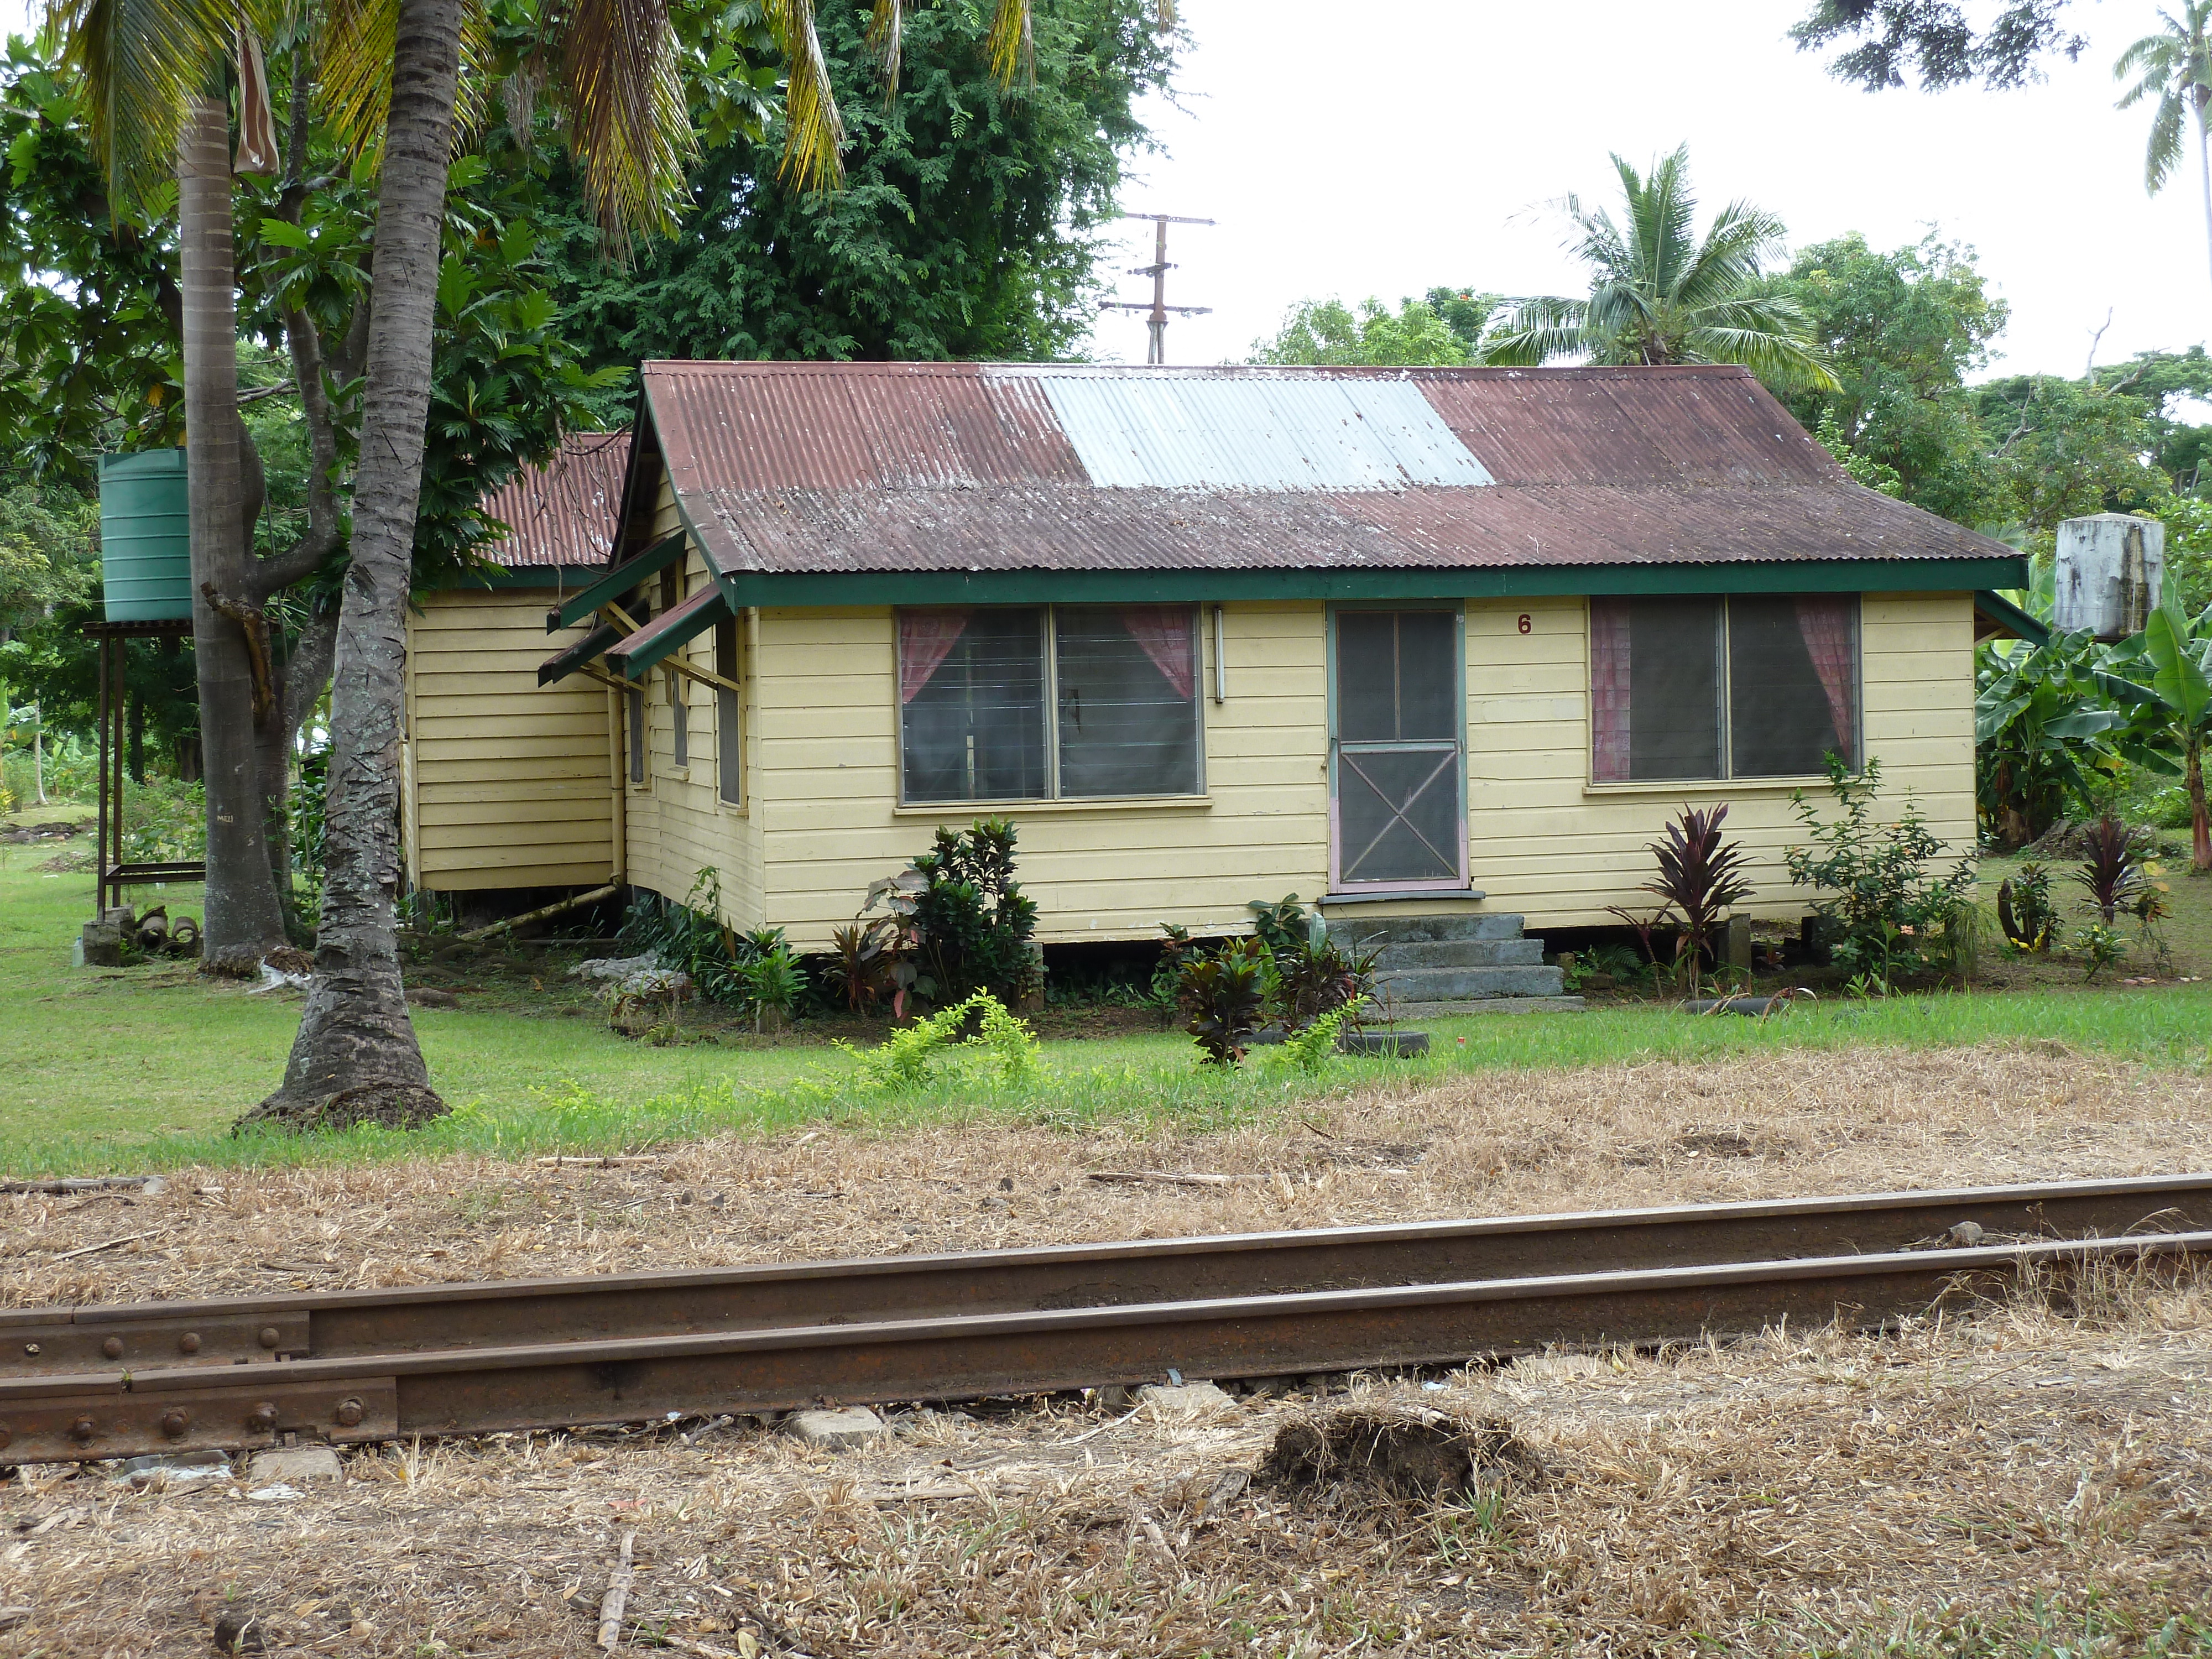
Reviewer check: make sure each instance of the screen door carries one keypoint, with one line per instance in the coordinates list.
(1398, 794)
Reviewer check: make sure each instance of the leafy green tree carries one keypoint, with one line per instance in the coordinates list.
(1660, 294)
(1934, 40)
(47, 555)
(1319, 332)
(2173, 73)
(2062, 448)
(1901, 330)
(2187, 520)
(965, 227)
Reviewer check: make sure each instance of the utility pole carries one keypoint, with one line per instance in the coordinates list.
(1155, 321)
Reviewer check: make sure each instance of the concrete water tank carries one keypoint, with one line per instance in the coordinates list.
(2109, 565)
(145, 536)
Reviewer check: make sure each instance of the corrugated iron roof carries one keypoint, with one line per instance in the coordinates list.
(563, 513)
(860, 467)
(1178, 432)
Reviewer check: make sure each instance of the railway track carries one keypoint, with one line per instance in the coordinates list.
(113, 1380)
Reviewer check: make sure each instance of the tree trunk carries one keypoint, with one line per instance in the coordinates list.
(306, 672)
(2200, 822)
(2205, 161)
(134, 753)
(356, 1058)
(241, 898)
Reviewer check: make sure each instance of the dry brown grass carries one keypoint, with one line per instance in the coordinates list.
(1766, 1497)
(1800, 1122)
(1763, 1497)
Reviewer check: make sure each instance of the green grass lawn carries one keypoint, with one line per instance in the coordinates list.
(145, 1067)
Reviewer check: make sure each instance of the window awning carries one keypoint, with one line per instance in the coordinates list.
(577, 655)
(669, 632)
(1998, 618)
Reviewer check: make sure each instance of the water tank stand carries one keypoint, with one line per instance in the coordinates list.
(111, 874)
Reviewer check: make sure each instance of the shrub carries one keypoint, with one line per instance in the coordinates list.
(1885, 913)
(1281, 925)
(2101, 947)
(2024, 908)
(1224, 993)
(864, 962)
(1700, 876)
(971, 923)
(724, 965)
(1308, 977)
(1308, 1050)
(908, 1058)
(163, 821)
(2112, 874)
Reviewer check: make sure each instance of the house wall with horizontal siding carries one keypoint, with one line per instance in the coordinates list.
(507, 784)
(1547, 842)
(678, 825)
(821, 821)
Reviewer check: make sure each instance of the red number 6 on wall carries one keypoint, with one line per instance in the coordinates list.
(1523, 623)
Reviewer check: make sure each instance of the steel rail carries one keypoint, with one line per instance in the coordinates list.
(336, 1324)
(554, 1385)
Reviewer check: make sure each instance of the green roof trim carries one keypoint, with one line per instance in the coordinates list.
(525, 575)
(616, 582)
(1511, 581)
(668, 633)
(2010, 618)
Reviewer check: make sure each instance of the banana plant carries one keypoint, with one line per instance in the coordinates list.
(2042, 726)
(2163, 677)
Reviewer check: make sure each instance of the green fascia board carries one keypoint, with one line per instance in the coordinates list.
(616, 582)
(527, 575)
(2006, 615)
(664, 635)
(743, 588)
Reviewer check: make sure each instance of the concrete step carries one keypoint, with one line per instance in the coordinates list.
(1349, 928)
(1460, 953)
(1460, 984)
(1411, 1014)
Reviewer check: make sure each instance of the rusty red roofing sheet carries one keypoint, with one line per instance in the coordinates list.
(851, 467)
(563, 513)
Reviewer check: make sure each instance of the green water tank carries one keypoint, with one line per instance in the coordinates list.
(145, 536)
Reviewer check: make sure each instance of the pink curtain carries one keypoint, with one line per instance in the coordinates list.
(1825, 621)
(926, 638)
(1165, 632)
(1609, 690)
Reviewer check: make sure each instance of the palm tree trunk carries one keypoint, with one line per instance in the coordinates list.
(2204, 161)
(241, 897)
(356, 1058)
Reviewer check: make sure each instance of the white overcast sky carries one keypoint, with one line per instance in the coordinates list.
(1346, 166)
(1425, 153)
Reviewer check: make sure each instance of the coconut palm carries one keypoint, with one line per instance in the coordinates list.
(2174, 67)
(1660, 296)
(156, 105)
(612, 63)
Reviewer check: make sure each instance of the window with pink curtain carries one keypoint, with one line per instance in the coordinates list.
(1754, 686)
(1829, 625)
(1165, 632)
(1609, 686)
(926, 638)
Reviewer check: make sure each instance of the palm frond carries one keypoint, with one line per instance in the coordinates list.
(1013, 45)
(628, 124)
(139, 61)
(2163, 153)
(354, 54)
(1535, 331)
(886, 34)
(1774, 357)
(813, 129)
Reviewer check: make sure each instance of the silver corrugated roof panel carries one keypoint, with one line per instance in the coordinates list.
(1184, 432)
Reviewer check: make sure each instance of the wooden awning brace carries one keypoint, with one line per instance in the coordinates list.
(621, 651)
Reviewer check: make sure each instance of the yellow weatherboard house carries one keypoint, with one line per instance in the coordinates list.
(1439, 648)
